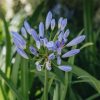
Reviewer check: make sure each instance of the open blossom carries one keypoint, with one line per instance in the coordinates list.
(47, 49)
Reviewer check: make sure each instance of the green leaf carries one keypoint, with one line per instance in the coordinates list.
(10, 85)
(24, 79)
(93, 97)
(86, 45)
(85, 75)
(15, 68)
(56, 92)
(50, 83)
(8, 43)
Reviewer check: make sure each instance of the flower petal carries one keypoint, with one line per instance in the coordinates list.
(48, 19)
(57, 43)
(59, 22)
(18, 40)
(53, 24)
(45, 41)
(59, 50)
(23, 31)
(65, 68)
(19, 44)
(34, 35)
(50, 44)
(33, 50)
(66, 34)
(71, 53)
(58, 60)
(41, 30)
(18, 37)
(60, 37)
(63, 24)
(51, 56)
(27, 27)
(76, 40)
(22, 53)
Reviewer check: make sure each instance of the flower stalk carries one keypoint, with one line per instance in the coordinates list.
(46, 85)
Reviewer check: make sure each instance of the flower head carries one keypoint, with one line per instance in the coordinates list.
(47, 50)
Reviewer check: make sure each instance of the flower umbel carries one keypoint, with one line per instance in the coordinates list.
(48, 47)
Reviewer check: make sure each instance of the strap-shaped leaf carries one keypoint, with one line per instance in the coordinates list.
(10, 85)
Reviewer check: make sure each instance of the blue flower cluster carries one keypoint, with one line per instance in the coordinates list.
(52, 46)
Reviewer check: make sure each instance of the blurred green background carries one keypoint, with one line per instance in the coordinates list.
(82, 15)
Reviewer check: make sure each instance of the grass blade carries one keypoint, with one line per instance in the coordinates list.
(10, 85)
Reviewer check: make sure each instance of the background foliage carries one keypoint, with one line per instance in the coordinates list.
(18, 77)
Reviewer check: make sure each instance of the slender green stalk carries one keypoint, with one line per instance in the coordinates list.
(56, 95)
(24, 79)
(46, 85)
(8, 41)
(3, 91)
(64, 88)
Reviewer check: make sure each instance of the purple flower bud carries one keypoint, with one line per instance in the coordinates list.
(66, 34)
(59, 50)
(38, 66)
(19, 44)
(41, 30)
(45, 41)
(18, 40)
(71, 53)
(65, 68)
(57, 44)
(51, 56)
(23, 31)
(59, 22)
(22, 53)
(48, 20)
(18, 37)
(76, 40)
(34, 35)
(62, 43)
(27, 27)
(50, 44)
(60, 37)
(53, 24)
(63, 24)
(58, 60)
(33, 50)
(48, 65)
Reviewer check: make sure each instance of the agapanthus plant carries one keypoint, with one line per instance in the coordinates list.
(48, 43)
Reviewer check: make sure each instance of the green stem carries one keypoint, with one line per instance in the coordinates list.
(46, 85)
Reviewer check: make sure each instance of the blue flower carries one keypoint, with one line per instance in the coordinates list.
(41, 30)
(47, 49)
(71, 53)
(60, 22)
(18, 40)
(65, 68)
(27, 27)
(22, 53)
(51, 56)
(23, 31)
(53, 24)
(76, 40)
(58, 60)
(63, 24)
(33, 51)
(48, 20)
